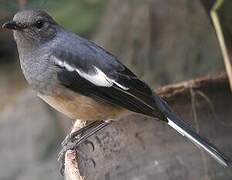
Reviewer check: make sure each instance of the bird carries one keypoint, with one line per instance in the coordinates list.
(85, 82)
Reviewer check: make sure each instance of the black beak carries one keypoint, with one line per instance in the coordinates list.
(11, 25)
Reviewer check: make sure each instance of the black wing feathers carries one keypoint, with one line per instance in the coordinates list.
(138, 98)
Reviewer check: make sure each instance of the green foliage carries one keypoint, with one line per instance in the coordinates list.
(80, 16)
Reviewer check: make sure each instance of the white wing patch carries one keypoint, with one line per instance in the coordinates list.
(98, 78)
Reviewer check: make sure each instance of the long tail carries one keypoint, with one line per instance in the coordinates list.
(183, 128)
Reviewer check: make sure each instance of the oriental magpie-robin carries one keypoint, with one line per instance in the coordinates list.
(85, 82)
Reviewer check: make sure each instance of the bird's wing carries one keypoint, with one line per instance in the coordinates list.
(105, 79)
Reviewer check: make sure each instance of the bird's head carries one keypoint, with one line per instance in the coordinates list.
(32, 27)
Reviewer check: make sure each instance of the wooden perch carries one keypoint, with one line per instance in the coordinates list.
(142, 148)
(71, 167)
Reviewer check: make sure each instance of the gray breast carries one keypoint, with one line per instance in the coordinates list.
(39, 71)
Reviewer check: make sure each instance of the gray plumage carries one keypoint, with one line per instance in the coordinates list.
(65, 68)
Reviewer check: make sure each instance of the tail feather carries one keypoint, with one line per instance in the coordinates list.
(183, 128)
(187, 131)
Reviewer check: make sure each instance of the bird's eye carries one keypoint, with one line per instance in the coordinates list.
(39, 24)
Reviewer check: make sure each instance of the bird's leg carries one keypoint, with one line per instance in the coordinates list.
(74, 139)
(73, 135)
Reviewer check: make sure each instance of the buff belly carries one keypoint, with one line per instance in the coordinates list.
(81, 107)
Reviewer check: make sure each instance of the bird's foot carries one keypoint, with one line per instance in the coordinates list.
(72, 145)
(74, 139)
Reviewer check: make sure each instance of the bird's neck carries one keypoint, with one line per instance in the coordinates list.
(33, 61)
(25, 45)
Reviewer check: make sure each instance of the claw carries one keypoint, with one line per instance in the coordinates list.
(61, 159)
(61, 168)
(86, 158)
(73, 140)
(88, 142)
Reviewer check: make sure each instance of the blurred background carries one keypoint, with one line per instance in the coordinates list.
(163, 42)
